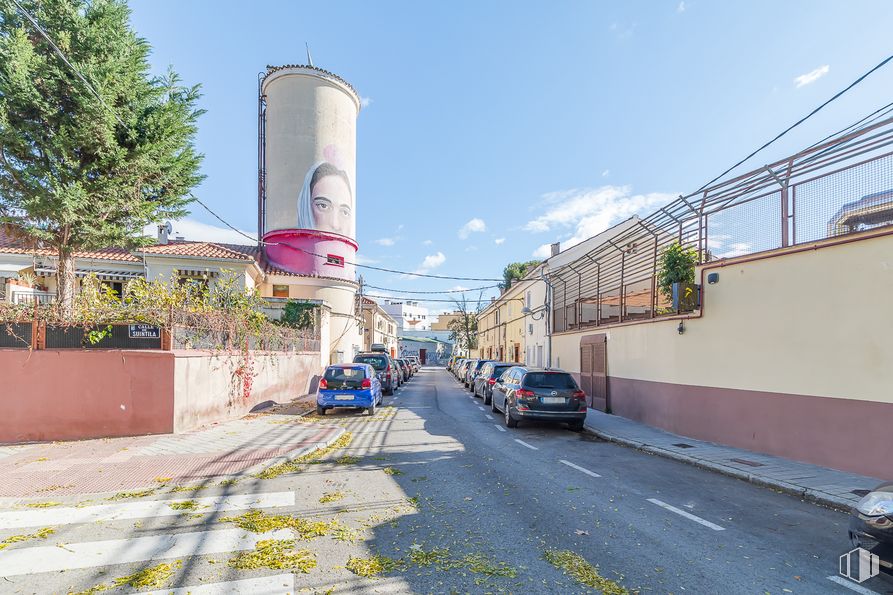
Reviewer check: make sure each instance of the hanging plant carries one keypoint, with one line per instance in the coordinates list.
(677, 265)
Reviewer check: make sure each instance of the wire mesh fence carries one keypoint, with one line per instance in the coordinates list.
(841, 186)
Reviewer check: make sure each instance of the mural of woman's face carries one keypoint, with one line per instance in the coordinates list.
(332, 205)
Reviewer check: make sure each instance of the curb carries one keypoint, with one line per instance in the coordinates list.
(294, 454)
(808, 494)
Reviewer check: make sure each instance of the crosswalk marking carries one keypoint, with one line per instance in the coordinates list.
(16, 519)
(72, 556)
(278, 584)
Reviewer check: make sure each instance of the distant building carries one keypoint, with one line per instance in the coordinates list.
(410, 316)
(378, 327)
(429, 351)
(442, 322)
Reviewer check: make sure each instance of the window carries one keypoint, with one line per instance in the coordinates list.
(337, 261)
(550, 380)
(280, 291)
(528, 299)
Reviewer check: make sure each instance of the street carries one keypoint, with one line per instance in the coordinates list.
(436, 484)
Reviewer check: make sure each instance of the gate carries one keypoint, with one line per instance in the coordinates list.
(593, 371)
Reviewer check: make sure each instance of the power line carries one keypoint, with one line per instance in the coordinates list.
(77, 73)
(436, 292)
(362, 266)
(800, 121)
(391, 297)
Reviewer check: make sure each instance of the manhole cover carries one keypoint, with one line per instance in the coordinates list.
(683, 445)
(746, 462)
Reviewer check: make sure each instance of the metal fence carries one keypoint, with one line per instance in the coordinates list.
(840, 186)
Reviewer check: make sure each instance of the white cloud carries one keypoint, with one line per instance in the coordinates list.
(811, 77)
(737, 249)
(427, 243)
(474, 226)
(606, 173)
(499, 241)
(471, 249)
(400, 227)
(385, 241)
(365, 101)
(432, 261)
(590, 211)
(543, 252)
(360, 259)
(681, 6)
(458, 288)
(196, 231)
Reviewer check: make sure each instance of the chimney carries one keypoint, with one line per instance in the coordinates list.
(556, 248)
(164, 230)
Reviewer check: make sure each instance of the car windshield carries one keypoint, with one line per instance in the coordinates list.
(343, 374)
(549, 380)
(379, 362)
(479, 365)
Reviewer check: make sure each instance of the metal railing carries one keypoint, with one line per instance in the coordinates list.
(31, 297)
(840, 186)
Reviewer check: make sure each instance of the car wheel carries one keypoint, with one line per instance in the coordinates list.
(509, 421)
(575, 426)
(371, 409)
(320, 410)
(488, 399)
(390, 391)
(493, 405)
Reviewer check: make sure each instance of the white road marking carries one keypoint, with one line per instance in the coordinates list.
(499, 427)
(481, 408)
(489, 416)
(16, 519)
(522, 443)
(687, 515)
(578, 468)
(852, 586)
(51, 558)
(278, 584)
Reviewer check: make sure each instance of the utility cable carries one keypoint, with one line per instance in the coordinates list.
(798, 122)
(435, 292)
(362, 266)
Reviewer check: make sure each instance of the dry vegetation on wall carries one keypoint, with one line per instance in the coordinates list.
(200, 315)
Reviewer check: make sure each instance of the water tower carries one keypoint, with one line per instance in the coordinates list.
(307, 188)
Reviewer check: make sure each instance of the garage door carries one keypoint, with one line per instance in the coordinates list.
(593, 370)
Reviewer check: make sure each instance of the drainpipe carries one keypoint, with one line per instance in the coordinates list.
(548, 318)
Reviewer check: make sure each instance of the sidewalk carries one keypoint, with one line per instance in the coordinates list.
(836, 489)
(237, 447)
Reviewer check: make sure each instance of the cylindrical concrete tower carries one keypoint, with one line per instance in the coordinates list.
(307, 206)
(309, 154)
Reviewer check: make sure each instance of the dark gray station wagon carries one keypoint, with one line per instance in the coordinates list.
(544, 394)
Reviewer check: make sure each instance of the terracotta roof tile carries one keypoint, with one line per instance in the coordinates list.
(12, 244)
(197, 249)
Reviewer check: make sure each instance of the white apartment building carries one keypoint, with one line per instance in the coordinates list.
(410, 316)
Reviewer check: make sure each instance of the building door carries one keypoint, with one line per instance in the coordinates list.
(517, 353)
(593, 371)
(423, 356)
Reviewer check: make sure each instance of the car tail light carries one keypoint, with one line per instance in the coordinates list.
(491, 381)
(579, 394)
(367, 383)
(523, 393)
(323, 384)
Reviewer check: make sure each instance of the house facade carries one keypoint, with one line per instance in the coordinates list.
(378, 327)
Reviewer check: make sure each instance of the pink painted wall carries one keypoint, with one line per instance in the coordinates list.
(71, 394)
(296, 250)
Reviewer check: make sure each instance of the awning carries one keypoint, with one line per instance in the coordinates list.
(11, 270)
(101, 274)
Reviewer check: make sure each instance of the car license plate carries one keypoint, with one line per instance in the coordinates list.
(552, 400)
(344, 397)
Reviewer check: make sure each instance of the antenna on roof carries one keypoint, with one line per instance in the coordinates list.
(309, 57)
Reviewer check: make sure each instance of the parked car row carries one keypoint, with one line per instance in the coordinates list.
(362, 384)
(521, 392)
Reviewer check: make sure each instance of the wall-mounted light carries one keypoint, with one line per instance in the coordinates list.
(713, 278)
(681, 327)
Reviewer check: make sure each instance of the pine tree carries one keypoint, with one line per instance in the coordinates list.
(76, 172)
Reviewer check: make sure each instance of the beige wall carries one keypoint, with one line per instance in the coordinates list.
(207, 387)
(510, 331)
(817, 322)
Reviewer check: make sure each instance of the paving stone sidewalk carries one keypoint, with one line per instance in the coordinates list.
(836, 489)
(223, 450)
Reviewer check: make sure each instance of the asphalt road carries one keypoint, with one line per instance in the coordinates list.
(469, 506)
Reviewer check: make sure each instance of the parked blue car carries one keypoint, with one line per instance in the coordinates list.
(348, 385)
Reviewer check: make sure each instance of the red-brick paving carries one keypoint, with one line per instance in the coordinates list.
(120, 464)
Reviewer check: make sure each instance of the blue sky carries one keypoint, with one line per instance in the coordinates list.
(495, 128)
